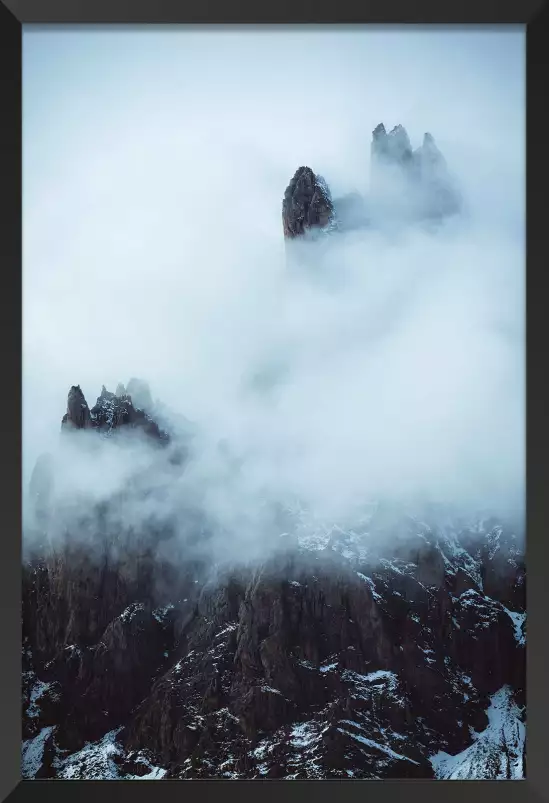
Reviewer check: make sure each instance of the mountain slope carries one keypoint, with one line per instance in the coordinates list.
(370, 651)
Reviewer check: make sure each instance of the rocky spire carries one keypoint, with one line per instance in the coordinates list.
(428, 157)
(440, 195)
(405, 186)
(391, 147)
(78, 412)
(307, 204)
(413, 184)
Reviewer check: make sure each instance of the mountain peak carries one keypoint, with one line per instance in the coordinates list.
(78, 412)
(393, 146)
(416, 183)
(407, 185)
(112, 410)
(307, 204)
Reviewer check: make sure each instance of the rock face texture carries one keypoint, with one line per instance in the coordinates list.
(307, 204)
(390, 649)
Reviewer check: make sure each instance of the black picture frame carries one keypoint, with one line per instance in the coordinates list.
(530, 13)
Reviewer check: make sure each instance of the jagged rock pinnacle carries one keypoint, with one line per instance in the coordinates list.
(405, 186)
(78, 412)
(392, 147)
(415, 184)
(379, 131)
(111, 411)
(307, 204)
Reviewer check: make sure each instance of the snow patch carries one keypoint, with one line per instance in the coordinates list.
(102, 760)
(161, 613)
(94, 761)
(32, 753)
(376, 746)
(497, 753)
(128, 614)
(518, 620)
(370, 582)
(38, 690)
(305, 734)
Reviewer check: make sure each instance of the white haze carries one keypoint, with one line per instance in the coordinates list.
(154, 169)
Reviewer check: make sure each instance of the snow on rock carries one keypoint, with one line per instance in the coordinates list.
(156, 774)
(362, 687)
(377, 746)
(497, 753)
(128, 614)
(105, 760)
(372, 586)
(94, 761)
(328, 667)
(161, 613)
(328, 705)
(38, 691)
(519, 622)
(32, 753)
(304, 734)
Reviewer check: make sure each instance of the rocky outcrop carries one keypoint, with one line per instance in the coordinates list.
(112, 411)
(78, 413)
(307, 205)
(391, 147)
(406, 185)
(413, 184)
(498, 750)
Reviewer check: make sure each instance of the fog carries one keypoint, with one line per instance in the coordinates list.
(155, 163)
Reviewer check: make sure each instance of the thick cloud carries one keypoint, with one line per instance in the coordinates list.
(154, 169)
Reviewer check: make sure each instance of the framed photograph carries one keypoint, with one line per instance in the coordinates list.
(271, 290)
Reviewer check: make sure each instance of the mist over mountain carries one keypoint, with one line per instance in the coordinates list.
(274, 413)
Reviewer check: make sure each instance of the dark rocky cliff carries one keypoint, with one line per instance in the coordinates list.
(373, 652)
